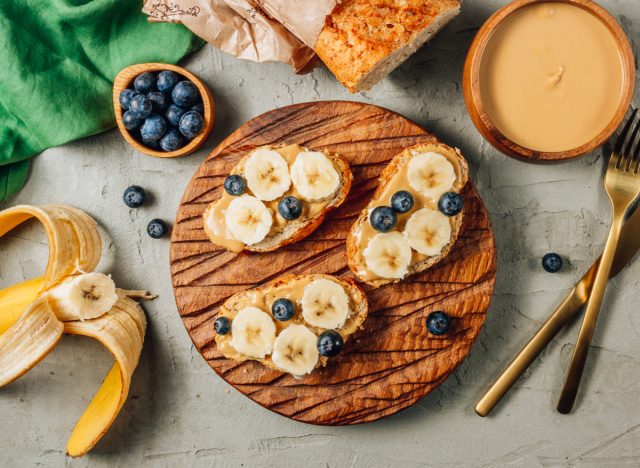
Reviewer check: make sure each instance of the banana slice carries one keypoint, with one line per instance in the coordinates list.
(388, 255)
(295, 350)
(431, 174)
(248, 219)
(314, 176)
(428, 231)
(325, 304)
(85, 296)
(267, 174)
(253, 333)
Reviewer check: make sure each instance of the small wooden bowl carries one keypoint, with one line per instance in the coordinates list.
(473, 98)
(125, 78)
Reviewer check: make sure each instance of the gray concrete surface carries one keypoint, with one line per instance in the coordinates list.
(181, 414)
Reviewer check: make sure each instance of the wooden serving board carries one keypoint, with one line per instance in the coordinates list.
(393, 361)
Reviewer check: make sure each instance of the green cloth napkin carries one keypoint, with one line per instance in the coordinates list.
(58, 59)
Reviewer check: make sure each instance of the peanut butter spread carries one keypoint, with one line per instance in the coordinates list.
(215, 214)
(399, 181)
(263, 298)
(551, 76)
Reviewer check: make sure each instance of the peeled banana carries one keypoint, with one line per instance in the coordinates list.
(71, 298)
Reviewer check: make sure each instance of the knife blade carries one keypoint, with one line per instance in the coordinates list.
(568, 308)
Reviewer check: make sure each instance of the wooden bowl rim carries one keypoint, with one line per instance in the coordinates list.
(474, 102)
(129, 73)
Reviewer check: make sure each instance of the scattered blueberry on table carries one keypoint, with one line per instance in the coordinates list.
(163, 111)
(134, 196)
(402, 201)
(438, 323)
(383, 218)
(235, 185)
(552, 262)
(283, 309)
(157, 228)
(222, 326)
(450, 203)
(290, 208)
(330, 343)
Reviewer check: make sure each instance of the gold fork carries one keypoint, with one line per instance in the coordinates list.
(622, 183)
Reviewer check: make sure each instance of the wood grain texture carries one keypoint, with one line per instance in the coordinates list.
(393, 361)
(123, 80)
(480, 117)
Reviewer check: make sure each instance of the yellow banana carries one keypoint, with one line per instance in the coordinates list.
(30, 328)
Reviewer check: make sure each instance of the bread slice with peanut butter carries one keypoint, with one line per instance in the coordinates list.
(315, 182)
(401, 243)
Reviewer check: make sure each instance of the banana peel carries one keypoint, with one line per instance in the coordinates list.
(30, 328)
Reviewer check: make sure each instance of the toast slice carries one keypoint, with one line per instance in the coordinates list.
(364, 41)
(392, 179)
(293, 288)
(282, 232)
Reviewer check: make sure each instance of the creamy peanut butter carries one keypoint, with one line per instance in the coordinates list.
(551, 76)
(263, 298)
(216, 227)
(399, 181)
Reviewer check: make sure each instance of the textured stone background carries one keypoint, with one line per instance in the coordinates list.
(180, 412)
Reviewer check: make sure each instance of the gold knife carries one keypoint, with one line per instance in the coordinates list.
(570, 306)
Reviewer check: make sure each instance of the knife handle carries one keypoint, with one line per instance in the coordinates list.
(565, 311)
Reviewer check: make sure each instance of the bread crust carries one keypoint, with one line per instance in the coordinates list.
(363, 40)
(398, 161)
(356, 295)
(297, 230)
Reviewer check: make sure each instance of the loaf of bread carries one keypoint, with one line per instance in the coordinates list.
(364, 40)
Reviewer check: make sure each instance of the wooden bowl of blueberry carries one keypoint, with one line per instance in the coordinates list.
(162, 110)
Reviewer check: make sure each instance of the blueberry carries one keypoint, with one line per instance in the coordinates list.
(402, 201)
(145, 82)
(185, 94)
(552, 262)
(330, 343)
(167, 80)
(235, 185)
(450, 203)
(153, 127)
(134, 196)
(198, 107)
(383, 219)
(174, 113)
(141, 106)
(125, 97)
(159, 101)
(222, 326)
(283, 309)
(153, 144)
(190, 124)
(438, 323)
(290, 208)
(172, 140)
(157, 228)
(130, 121)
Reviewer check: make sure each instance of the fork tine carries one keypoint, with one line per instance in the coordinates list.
(623, 134)
(627, 152)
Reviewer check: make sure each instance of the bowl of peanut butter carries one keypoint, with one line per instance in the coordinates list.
(549, 80)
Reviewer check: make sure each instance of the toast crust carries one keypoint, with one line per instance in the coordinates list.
(292, 231)
(354, 248)
(363, 41)
(262, 296)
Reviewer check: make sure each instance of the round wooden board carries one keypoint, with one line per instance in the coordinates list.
(393, 361)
